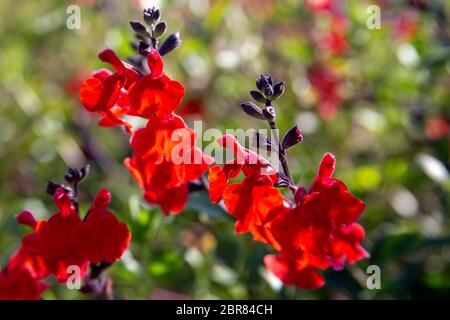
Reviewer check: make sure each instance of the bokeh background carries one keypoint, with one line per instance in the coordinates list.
(377, 99)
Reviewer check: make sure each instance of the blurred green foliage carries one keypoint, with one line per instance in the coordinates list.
(391, 88)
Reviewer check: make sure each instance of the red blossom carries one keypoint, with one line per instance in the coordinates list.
(66, 240)
(53, 241)
(321, 231)
(262, 201)
(101, 237)
(107, 93)
(155, 94)
(165, 161)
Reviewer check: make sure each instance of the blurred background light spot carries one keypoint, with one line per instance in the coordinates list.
(433, 168)
(431, 225)
(198, 7)
(407, 55)
(113, 39)
(370, 119)
(227, 59)
(194, 257)
(404, 203)
(70, 152)
(224, 275)
(24, 95)
(130, 263)
(250, 48)
(307, 122)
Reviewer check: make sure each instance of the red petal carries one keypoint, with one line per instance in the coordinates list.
(155, 64)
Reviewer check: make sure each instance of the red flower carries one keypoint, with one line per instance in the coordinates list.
(101, 237)
(261, 202)
(321, 231)
(106, 92)
(165, 161)
(155, 94)
(65, 240)
(50, 249)
(18, 283)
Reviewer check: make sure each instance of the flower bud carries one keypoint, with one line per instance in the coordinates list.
(171, 43)
(151, 15)
(258, 97)
(139, 28)
(292, 137)
(278, 90)
(253, 110)
(160, 29)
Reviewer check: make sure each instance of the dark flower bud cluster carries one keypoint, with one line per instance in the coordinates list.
(266, 92)
(149, 32)
(73, 176)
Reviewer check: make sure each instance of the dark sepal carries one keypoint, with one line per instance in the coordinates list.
(171, 43)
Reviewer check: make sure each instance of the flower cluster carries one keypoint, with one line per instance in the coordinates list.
(62, 242)
(162, 171)
(317, 231)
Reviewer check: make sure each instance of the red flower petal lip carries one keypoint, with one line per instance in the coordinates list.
(26, 218)
(327, 165)
(155, 97)
(109, 56)
(62, 201)
(155, 64)
(103, 199)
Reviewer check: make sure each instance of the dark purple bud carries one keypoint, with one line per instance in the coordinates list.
(151, 15)
(268, 91)
(292, 137)
(74, 175)
(269, 113)
(171, 43)
(263, 81)
(139, 28)
(160, 29)
(278, 90)
(252, 110)
(257, 96)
